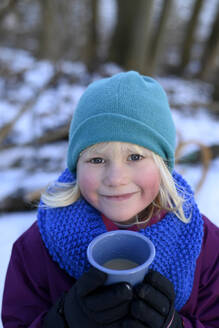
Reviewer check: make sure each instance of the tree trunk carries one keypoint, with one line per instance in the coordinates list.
(130, 38)
(158, 38)
(215, 93)
(90, 51)
(140, 37)
(121, 41)
(53, 30)
(189, 35)
(211, 50)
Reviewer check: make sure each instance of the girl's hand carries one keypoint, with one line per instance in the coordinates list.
(153, 305)
(89, 303)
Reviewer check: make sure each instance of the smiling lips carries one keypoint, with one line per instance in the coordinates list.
(119, 197)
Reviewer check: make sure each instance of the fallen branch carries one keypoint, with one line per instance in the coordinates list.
(195, 157)
(55, 135)
(4, 132)
(205, 156)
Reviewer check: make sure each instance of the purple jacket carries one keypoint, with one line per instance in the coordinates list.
(34, 282)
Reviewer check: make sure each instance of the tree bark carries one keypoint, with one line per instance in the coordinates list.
(211, 50)
(51, 33)
(158, 38)
(140, 37)
(189, 35)
(60, 32)
(215, 94)
(129, 42)
(91, 48)
(121, 41)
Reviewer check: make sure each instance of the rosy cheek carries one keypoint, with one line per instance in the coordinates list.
(151, 182)
(87, 185)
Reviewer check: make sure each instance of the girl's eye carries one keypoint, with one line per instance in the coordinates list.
(96, 160)
(135, 157)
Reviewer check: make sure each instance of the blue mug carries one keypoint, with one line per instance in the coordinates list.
(123, 255)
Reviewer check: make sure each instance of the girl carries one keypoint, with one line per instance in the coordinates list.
(120, 175)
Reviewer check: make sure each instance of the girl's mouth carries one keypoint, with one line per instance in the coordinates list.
(119, 197)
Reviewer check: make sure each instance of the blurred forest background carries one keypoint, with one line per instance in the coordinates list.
(51, 49)
(152, 36)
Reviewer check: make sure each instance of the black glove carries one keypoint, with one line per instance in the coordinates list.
(153, 304)
(91, 304)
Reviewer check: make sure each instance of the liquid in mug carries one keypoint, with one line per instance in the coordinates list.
(120, 264)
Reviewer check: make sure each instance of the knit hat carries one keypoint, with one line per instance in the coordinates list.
(126, 107)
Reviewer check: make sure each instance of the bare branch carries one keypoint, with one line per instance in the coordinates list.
(4, 132)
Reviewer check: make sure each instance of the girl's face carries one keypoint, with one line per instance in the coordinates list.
(118, 179)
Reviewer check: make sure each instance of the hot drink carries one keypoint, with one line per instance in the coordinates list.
(120, 264)
(122, 254)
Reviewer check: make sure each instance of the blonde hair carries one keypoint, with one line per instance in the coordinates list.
(168, 199)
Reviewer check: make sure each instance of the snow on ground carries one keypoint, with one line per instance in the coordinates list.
(208, 196)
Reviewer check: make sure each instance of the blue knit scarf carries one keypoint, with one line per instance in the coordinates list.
(67, 231)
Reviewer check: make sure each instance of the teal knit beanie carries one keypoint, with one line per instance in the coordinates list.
(126, 107)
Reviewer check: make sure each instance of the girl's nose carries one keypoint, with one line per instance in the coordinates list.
(116, 175)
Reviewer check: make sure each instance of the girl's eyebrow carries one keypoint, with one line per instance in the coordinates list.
(131, 150)
(92, 153)
(96, 152)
